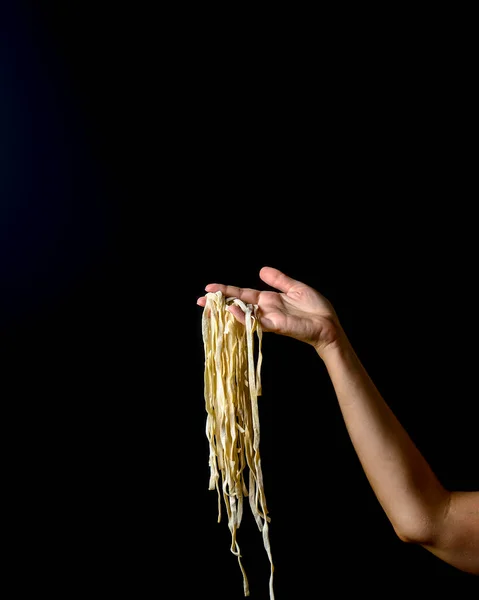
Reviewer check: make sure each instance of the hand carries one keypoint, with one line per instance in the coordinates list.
(296, 311)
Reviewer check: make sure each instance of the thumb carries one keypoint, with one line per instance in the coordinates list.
(277, 279)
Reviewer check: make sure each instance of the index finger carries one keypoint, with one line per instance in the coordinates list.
(247, 295)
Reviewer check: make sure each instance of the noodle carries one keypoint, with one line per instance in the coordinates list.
(232, 384)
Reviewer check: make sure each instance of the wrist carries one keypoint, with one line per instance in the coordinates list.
(337, 347)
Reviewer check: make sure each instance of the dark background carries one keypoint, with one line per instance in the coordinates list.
(147, 154)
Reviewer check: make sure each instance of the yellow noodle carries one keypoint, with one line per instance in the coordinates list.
(232, 384)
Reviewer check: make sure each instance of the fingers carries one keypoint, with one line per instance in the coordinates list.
(249, 296)
(273, 277)
(237, 312)
(277, 279)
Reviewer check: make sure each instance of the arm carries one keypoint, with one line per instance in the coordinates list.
(419, 508)
(417, 505)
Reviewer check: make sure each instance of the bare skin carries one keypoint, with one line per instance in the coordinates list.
(421, 510)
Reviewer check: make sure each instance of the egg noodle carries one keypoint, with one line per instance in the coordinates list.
(232, 384)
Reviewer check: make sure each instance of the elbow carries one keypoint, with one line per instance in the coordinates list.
(450, 531)
(423, 525)
(423, 530)
(410, 536)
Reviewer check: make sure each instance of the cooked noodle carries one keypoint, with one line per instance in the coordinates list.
(232, 384)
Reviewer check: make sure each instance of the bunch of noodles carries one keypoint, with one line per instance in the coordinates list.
(232, 384)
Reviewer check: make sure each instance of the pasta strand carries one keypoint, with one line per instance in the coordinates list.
(232, 384)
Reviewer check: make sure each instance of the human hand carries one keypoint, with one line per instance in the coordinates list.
(296, 311)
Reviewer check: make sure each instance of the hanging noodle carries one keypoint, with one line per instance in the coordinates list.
(232, 385)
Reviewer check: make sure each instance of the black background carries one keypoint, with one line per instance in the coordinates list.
(147, 154)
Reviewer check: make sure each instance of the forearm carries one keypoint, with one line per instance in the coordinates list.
(401, 478)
